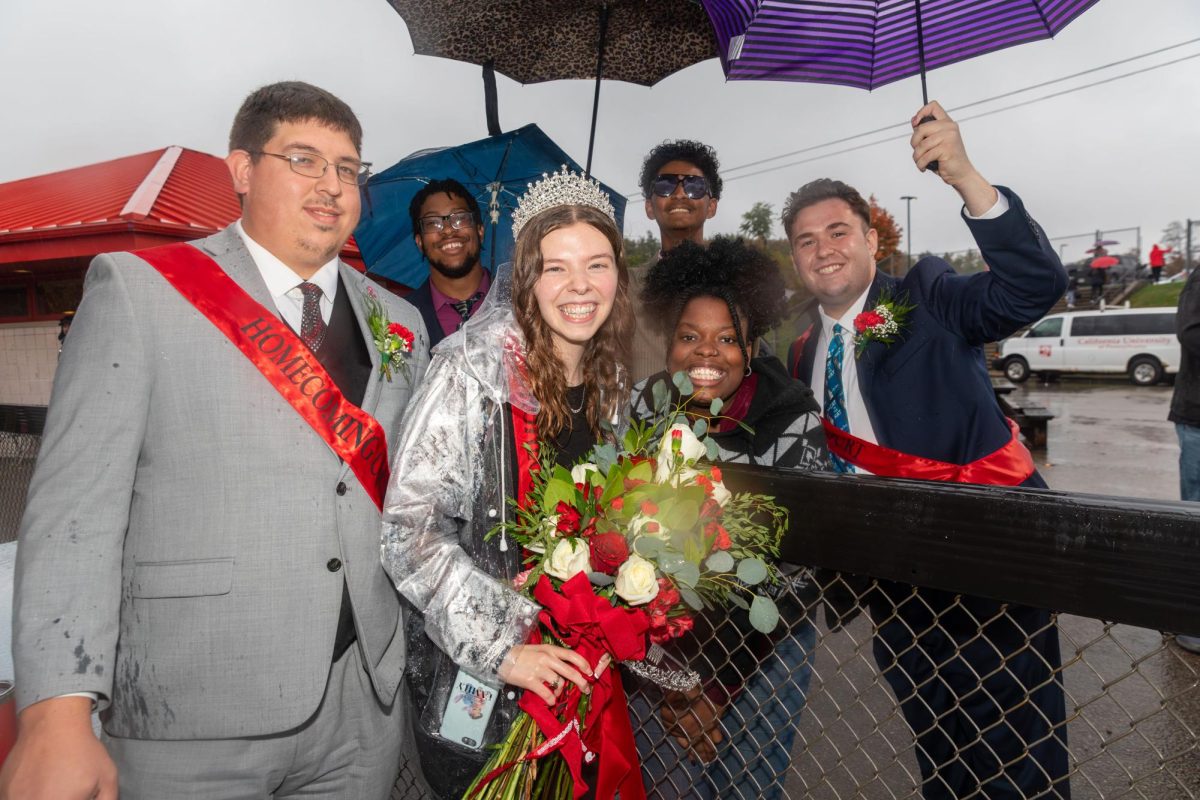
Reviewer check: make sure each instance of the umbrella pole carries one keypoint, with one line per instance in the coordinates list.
(596, 98)
(932, 165)
(490, 105)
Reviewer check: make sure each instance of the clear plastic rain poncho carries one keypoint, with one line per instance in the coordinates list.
(450, 484)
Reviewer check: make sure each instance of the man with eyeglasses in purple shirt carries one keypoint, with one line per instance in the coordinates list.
(448, 230)
(681, 185)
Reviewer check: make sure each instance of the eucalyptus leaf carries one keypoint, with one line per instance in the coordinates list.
(600, 579)
(605, 456)
(764, 616)
(660, 395)
(683, 383)
(715, 406)
(691, 597)
(711, 449)
(738, 601)
(699, 428)
(671, 562)
(687, 575)
(720, 561)
(648, 547)
(751, 571)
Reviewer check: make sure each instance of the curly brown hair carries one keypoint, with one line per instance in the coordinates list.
(605, 362)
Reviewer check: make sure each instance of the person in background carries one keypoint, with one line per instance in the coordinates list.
(1185, 408)
(1158, 261)
(733, 739)
(681, 184)
(448, 230)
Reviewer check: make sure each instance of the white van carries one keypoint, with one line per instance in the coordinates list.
(1139, 342)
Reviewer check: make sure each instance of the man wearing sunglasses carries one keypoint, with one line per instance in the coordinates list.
(681, 184)
(448, 231)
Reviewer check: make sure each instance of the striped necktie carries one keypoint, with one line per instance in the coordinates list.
(835, 398)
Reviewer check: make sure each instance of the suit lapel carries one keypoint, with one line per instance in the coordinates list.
(356, 288)
(869, 362)
(229, 251)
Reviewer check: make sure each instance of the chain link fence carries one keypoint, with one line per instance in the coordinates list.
(20, 437)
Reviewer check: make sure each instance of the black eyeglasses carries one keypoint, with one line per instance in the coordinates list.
(694, 186)
(436, 224)
(311, 165)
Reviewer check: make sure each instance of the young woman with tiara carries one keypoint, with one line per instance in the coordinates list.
(733, 739)
(540, 366)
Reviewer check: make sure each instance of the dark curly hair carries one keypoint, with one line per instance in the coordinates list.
(729, 269)
(698, 154)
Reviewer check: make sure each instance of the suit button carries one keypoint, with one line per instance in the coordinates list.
(341, 488)
(333, 564)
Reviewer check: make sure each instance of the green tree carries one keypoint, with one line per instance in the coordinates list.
(639, 251)
(757, 222)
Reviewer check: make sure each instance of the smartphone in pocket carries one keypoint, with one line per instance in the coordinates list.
(468, 711)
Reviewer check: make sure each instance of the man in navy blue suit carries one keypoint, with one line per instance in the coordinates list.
(977, 679)
(448, 230)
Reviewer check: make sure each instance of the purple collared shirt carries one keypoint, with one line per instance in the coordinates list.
(447, 316)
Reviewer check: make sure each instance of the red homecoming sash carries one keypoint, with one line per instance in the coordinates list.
(1008, 466)
(282, 358)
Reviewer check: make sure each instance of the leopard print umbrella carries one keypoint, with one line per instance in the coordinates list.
(544, 40)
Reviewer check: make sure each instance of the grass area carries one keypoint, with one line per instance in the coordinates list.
(1156, 295)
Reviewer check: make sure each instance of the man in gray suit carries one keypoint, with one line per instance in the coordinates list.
(199, 557)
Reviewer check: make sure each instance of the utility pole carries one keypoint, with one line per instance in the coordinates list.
(908, 198)
(1187, 250)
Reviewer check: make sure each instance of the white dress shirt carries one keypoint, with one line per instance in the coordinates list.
(856, 406)
(284, 285)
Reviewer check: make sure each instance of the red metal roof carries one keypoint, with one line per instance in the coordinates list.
(168, 191)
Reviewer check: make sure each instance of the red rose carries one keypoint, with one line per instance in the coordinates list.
(867, 319)
(720, 536)
(608, 552)
(568, 518)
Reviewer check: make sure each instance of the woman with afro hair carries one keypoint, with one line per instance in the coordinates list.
(732, 738)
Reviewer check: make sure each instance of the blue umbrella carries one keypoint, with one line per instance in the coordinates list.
(496, 170)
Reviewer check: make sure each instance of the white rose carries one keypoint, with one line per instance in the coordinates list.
(720, 493)
(689, 447)
(579, 472)
(636, 583)
(637, 527)
(570, 557)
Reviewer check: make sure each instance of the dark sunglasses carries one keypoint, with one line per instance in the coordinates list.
(694, 186)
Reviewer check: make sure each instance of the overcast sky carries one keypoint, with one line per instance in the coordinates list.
(91, 81)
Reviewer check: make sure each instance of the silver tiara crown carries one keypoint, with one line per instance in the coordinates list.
(563, 188)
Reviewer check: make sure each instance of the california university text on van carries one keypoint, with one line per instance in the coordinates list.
(1139, 342)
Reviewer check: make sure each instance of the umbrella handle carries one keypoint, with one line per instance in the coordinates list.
(932, 165)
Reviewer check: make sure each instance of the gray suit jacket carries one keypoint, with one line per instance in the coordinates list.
(176, 551)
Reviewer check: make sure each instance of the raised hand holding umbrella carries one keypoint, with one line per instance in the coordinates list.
(938, 143)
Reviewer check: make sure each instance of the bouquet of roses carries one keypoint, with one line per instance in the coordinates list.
(628, 546)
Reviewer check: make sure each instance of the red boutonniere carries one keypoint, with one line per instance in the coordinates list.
(393, 341)
(883, 323)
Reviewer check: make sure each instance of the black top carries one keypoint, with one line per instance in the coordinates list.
(575, 441)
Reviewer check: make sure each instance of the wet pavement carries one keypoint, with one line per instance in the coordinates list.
(1133, 697)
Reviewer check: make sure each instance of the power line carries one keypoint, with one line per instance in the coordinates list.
(1029, 88)
(637, 193)
(963, 119)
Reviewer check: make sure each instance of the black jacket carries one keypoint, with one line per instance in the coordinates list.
(1185, 403)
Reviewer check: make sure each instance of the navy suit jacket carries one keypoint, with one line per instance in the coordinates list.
(421, 299)
(930, 394)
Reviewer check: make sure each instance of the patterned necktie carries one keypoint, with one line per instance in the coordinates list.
(835, 398)
(312, 324)
(463, 307)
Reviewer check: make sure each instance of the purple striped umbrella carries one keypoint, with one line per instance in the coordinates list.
(870, 43)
